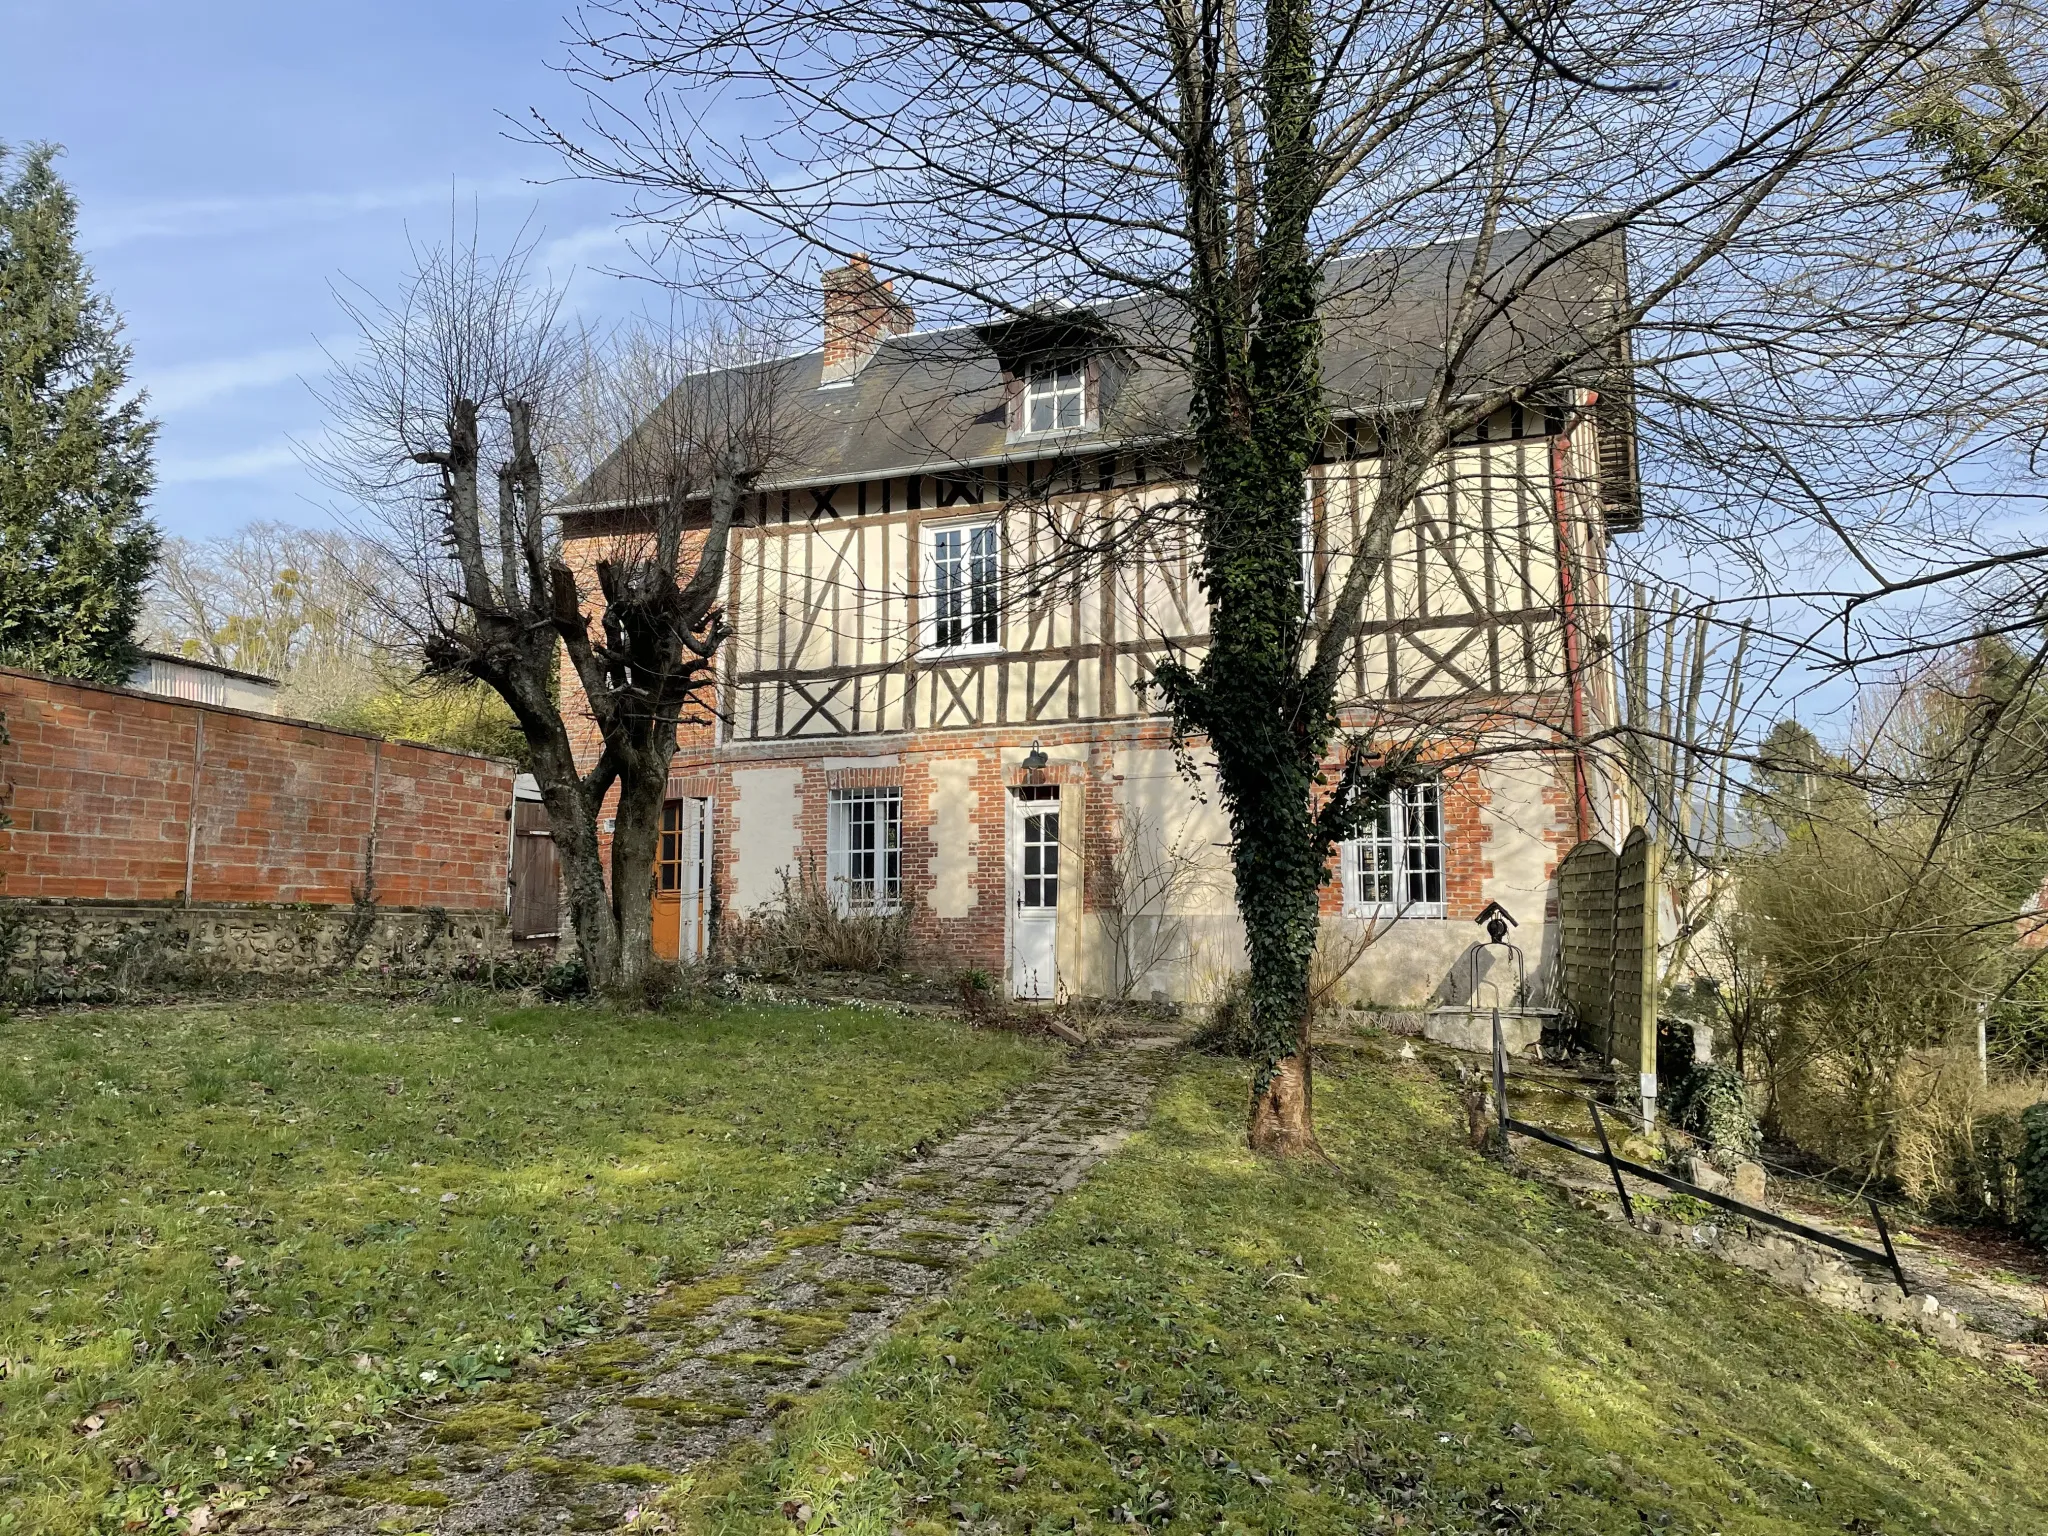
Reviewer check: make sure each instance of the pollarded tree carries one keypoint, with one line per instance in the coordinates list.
(463, 418)
(1224, 176)
(75, 447)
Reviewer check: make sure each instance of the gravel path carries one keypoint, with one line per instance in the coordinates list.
(698, 1366)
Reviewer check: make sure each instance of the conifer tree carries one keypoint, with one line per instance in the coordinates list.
(76, 547)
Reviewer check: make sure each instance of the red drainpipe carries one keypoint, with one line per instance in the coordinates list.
(1567, 586)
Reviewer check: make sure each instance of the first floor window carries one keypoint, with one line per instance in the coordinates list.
(864, 842)
(962, 576)
(1395, 867)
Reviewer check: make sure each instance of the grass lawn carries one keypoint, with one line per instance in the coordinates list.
(1200, 1341)
(230, 1232)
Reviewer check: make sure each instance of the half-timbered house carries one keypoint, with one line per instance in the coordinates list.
(935, 699)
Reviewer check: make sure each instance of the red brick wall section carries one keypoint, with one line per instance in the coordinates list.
(99, 786)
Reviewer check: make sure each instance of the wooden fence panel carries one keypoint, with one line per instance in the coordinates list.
(1585, 909)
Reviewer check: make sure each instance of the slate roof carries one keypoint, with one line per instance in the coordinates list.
(928, 401)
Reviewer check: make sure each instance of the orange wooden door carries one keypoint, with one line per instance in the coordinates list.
(682, 880)
(668, 883)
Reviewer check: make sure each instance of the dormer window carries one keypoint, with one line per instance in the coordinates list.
(1056, 398)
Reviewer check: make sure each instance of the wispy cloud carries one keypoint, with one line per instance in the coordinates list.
(112, 224)
(249, 464)
(185, 385)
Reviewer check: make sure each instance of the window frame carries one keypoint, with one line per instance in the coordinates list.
(883, 859)
(928, 537)
(1408, 852)
(1045, 382)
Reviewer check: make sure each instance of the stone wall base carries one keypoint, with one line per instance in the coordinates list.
(46, 943)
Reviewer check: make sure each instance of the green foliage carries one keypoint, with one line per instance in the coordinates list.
(1982, 1179)
(1989, 137)
(2033, 1173)
(250, 1228)
(463, 716)
(566, 980)
(1881, 924)
(1711, 1102)
(75, 447)
(1202, 1340)
(1230, 1029)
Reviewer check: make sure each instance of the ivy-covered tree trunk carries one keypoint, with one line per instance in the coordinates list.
(1258, 420)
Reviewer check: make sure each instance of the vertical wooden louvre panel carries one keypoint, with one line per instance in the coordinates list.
(536, 876)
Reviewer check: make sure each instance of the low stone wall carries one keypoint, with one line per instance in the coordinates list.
(50, 944)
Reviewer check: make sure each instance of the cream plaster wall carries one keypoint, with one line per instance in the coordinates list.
(956, 837)
(1527, 823)
(1411, 963)
(765, 836)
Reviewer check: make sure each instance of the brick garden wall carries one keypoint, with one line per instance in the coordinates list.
(123, 800)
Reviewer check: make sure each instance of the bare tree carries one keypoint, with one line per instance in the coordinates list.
(268, 596)
(1138, 883)
(463, 391)
(1212, 173)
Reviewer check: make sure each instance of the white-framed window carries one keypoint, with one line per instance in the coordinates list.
(1056, 398)
(1395, 867)
(864, 848)
(963, 587)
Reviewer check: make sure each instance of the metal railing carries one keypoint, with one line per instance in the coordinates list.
(1618, 1165)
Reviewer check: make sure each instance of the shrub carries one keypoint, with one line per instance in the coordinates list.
(807, 930)
(1228, 1031)
(981, 998)
(566, 980)
(1711, 1102)
(1956, 1141)
(2031, 1173)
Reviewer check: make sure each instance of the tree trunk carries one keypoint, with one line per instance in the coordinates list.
(1280, 866)
(1283, 1113)
(636, 840)
(590, 913)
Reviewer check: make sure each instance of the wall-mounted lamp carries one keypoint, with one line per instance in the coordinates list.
(1034, 764)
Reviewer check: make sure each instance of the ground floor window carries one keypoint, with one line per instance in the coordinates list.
(1395, 868)
(864, 843)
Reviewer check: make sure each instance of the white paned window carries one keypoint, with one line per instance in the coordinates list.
(963, 578)
(1395, 867)
(864, 848)
(1056, 399)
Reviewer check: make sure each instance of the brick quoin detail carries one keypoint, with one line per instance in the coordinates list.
(100, 785)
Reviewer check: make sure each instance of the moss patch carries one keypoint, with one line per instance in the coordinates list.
(801, 1332)
(600, 1364)
(387, 1488)
(574, 1470)
(494, 1426)
(690, 1411)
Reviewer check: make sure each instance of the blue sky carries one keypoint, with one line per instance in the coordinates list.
(234, 160)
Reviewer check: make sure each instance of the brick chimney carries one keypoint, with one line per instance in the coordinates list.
(861, 312)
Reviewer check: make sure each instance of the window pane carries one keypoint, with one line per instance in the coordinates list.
(863, 831)
(1422, 845)
(1376, 857)
(946, 586)
(966, 585)
(984, 580)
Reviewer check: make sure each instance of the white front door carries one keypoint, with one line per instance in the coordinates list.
(1034, 890)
